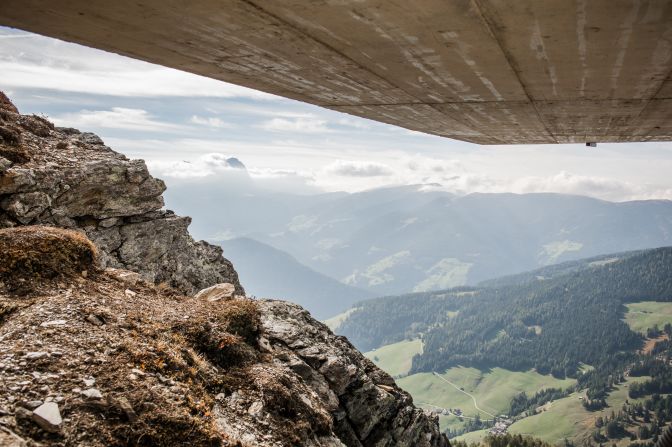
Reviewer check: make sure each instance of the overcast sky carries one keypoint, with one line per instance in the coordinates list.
(180, 123)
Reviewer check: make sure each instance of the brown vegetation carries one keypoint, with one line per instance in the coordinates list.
(36, 252)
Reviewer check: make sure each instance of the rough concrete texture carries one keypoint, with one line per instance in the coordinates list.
(484, 71)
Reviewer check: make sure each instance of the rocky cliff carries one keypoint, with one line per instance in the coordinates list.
(101, 356)
(67, 178)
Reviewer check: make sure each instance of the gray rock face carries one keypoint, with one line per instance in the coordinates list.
(66, 178)
(366, 405)
(282, 377)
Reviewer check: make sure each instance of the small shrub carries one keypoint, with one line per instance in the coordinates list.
(36, 252)
(241, 318)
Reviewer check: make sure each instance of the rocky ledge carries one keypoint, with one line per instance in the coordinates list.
(104, 342)
(70, 179)
(103, 358)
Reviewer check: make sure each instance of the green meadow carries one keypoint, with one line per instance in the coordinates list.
(647, 314)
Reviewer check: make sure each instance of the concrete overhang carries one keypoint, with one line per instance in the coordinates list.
(483, 71)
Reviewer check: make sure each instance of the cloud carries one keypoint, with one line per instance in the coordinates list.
(594, 186)
(453, 176)
(116, 118)
(561, 183)
(32, 61)
(206, 165)
(351, 168)
(357, 123)
(300, 125)
(210, 121)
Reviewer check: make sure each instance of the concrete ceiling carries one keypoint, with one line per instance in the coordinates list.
(483, 71)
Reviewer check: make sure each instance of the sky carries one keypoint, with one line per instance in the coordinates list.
(184, 125)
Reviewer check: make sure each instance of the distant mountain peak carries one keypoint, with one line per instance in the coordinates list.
(233, 162)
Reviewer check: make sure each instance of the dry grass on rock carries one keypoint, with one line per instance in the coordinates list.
(41, 253)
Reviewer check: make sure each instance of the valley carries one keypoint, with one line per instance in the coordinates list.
(492, 389)
(402, 239)
(611, 313)
(567, 418)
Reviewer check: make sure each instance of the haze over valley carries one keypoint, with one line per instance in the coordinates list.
(403, 239)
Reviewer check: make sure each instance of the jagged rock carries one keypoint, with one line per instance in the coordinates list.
(4, 165)
(94, 320)
(48, 417)
(263, 373)
(217, 292)
(176, 370)
(31, 404)
(6, 104)
(366, 405)
(63, 177)
(127, 277)
(127, 409)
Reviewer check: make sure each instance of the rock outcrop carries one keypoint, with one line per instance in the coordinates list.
(97, 357)
(70, 179)
(366, 405)
(94, 354)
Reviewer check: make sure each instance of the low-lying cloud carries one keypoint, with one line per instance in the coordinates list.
(358, 169)
(296, 125)
(429, 173)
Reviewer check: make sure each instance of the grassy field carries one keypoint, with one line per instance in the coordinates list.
(395, 359)
(566, 418)
(493, 390)
(647, 314)
(472, 437)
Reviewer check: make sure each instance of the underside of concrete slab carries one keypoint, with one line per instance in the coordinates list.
(483, 71)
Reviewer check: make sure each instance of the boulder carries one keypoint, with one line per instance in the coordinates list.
(48, 417)
(223, 291)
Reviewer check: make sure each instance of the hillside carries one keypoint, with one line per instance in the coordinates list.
(63, 177)
(270, 273)
(418, 238)
(578, 350)
(553, 324)
(555, 270)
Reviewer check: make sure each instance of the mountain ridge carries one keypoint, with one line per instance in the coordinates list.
(398, 239)
(271, 273)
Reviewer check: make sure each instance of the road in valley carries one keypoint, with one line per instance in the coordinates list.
(462, 391)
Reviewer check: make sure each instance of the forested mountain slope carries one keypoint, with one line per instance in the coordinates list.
(551, 324)
(555, 270)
